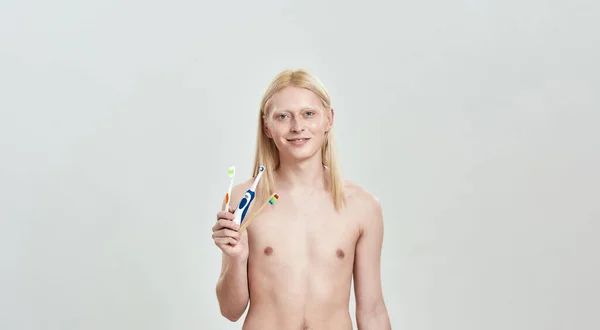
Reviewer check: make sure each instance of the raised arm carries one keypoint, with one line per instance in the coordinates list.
(232, 287)
(371, 312)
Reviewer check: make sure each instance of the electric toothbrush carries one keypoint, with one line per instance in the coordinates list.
(244, 205)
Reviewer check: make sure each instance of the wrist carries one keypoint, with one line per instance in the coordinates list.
(238, 260)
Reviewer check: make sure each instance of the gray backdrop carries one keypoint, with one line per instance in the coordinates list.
(474, 122)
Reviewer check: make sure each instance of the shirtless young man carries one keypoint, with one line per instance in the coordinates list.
(295, 263)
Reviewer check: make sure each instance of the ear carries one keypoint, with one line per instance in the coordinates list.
(266, 129)
(329, 120)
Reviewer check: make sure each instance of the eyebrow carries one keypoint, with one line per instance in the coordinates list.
(301, 109)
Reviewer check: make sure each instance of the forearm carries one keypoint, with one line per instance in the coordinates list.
(373, 320)
(232, 289)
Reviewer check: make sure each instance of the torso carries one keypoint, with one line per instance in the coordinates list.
(300, 264)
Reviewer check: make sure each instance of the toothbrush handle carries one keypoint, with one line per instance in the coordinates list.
(255, 214)
(226, 202)
(243, 206)
(252, 217)
(224, 205)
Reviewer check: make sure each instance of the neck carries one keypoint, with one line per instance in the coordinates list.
(308, 175)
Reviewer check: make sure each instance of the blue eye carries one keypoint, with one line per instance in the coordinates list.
(310, 113)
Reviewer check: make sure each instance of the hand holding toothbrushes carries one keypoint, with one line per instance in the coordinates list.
(229, 233)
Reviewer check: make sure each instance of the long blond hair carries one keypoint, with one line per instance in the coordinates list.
(267, 153)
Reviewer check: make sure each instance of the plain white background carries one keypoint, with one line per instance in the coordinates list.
(475, 123)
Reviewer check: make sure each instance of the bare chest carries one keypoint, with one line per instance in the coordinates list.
(304, 233)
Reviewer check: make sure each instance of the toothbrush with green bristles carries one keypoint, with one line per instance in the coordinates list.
(231, 172)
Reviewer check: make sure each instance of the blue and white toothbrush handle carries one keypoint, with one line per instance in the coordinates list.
(243, 206)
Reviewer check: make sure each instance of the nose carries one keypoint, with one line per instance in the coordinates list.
(297, 126)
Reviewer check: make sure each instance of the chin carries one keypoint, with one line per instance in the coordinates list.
(302, 153)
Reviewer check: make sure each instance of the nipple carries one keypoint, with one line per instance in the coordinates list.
(268, 250)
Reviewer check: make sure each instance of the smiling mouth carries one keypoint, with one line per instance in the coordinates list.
(298, 139)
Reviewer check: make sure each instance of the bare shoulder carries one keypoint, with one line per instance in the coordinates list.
(362, 202)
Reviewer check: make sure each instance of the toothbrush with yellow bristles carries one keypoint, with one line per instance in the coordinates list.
(231, 172)
(272, 200)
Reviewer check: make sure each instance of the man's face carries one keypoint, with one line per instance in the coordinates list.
(297, 123)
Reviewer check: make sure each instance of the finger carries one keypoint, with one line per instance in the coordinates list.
(226, 233)
(222, 241)
(225, 215)
(222, 223)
